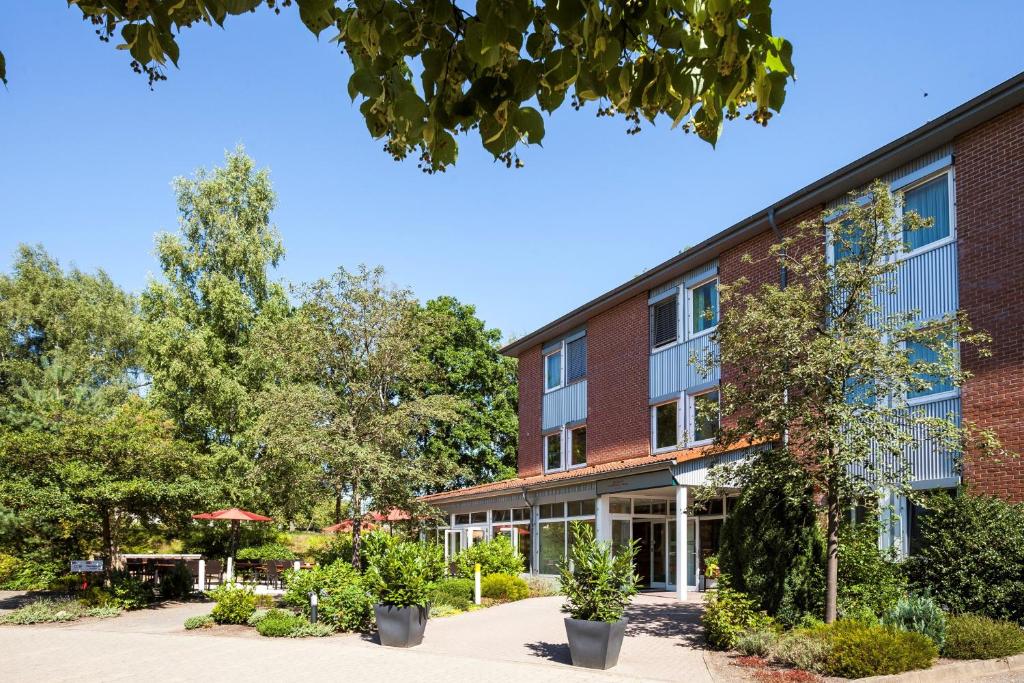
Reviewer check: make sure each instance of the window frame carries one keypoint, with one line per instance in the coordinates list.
(571, 439)
(678, 338)
(934, 397)
(561, 437)
(690, 334)
(561, 368)
(562, 347)
(691, 415)
(564, 520)
(950, 174)
(654, 426)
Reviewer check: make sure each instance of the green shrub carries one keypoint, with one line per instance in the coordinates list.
(267, 551)
(256, 617)
(728, 614)
(235, 603)
(48, 610)
(199, 621)
(177, 583)
(856, 650)
(337, 548)
(597, 584)
(870, 580)
(919, 614)
(344, 603)
(496, 556)
(305, 629)
(280, 623)
(456, 593)
(402, 575)
(8, 563)
(541, 587)
(504, 587)
(758, 642)
(801, 648)
(27, 575)
(973, 636)
(446, 610)
(129, 593)
(971, 556)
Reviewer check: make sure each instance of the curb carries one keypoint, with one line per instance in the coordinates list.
(960, 671)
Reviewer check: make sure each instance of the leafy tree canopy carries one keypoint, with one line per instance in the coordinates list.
(426, 71)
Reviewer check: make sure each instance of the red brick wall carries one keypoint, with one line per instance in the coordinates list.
(531, 391)
(990, 229)
(618, 418)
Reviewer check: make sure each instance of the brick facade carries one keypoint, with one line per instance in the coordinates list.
(529, 460)
(618, 419)
(989, 166)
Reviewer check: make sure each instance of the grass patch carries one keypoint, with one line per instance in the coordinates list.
(50, 610)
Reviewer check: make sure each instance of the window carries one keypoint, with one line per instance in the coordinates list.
(521, 514)
(578, 447)
(930, 200)
(664, 322)
(552, 510)
(555, 531)
(575, 359)
(703, 307)
(919, 353)
(552, 546)
(478, 518)
(619, 506)
(461, 519)
(553, 451)
(579, 508)
(501, 515)
(666, 425)
(847, 241)
(704, 416)
(553, 370)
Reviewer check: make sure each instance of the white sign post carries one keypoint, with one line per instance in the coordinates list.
(82, 566)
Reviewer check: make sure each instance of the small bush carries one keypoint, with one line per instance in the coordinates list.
(177, 583)
(280, 623)
(973, 636)
(265, 601)
(337, 548)
(504, 587)
(8, 563)
(856, 650)
(446, 610)
(344, 602)
(26, 575)
(757, 642)
(496, 556)
(919, 614)
(456, 593)
(869, 578)
(801, 649)
(267, 551)
(125, 592)
(307, 630)
(235, 603)
(728, 614)
(47, 610)
(199, 621)
(541, 587)
(256, 617)
(403, 574)
(597, 583)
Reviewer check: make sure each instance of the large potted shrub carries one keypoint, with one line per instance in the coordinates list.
(400, 578)
(597, 584)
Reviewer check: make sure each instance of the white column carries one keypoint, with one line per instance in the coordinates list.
(230, 574)
(603, 518)
(682, 559)
(202, 575)
(297, 565)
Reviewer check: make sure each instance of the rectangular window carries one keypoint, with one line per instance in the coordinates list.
(461, 519)
(619, 506)
(847, 241)
(620, 533)
(478, 518)
(552, 546)
(552, 511)
(704, 416)
(666, 425)
(580, 508)
(521, 514)
(664, 322)
(501, 515)
(553, 451)
(919, 353)
(641, 507)
(525, 545)
(930, 200)
(576, 359)
(703, 307)
(578, 447)
(553, 370)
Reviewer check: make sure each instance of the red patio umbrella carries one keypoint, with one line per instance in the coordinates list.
(233, 515)
(346, 525)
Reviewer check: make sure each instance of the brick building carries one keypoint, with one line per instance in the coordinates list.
(607, 395)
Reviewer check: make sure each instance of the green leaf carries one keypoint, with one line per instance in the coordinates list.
(530, 123)
(366, 82)
(444, 149)
(316, 14)
(565, 14)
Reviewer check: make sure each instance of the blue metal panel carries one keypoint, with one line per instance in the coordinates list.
(695, 472)
(568, 404)
(671, 372)
(927, 283)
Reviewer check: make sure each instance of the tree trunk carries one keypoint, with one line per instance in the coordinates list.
(337, 505)
(832, 556)
(108, 546)
(357, 529)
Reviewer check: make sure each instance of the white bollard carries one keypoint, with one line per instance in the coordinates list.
(296, 565)
(202, 575)
(231, 569)
(476, 584)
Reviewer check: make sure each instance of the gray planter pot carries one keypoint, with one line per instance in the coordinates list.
(401, 626)
(595, 644)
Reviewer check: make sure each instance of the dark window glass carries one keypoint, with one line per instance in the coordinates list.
(664, 321)
(619, 506)
(552, 511)
(478, 517)
(665, 425)
(579, 446)
(576, 359)
(521, 514)
(553, 451)
(580, 508)
(501, 515)
(705, 416)
(462, 519)
(705, 307)
(919, 353)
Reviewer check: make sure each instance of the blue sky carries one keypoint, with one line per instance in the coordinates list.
(87, 152)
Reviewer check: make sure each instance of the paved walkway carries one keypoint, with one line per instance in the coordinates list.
(518, 641)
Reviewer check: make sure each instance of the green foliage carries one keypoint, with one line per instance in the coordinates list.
(177, 583)
(343, 601)
(425, 72)
(267, 551)
(199, 621)
(597, 584)
(870, 580)
(973, 636)
(457, 593)
(728, 614)
(801, 648)
(919, 614)
(8, 565)
(771, 546)
(337, 548)
(27, 575)
(47, 610)
(504, 587)
(304, 629)
(467, 364)
(856, 650)
(757, 643)
(444, 609)
(496, 556)
(971, 556)
(256, 617)
(402, 576)
(542, 587)
(279, 623)
(235, 603)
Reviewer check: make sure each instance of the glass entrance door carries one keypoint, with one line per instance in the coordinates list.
(642, 536)
(658, 554)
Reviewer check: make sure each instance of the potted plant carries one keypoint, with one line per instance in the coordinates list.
(400, 579)
(597, 584)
